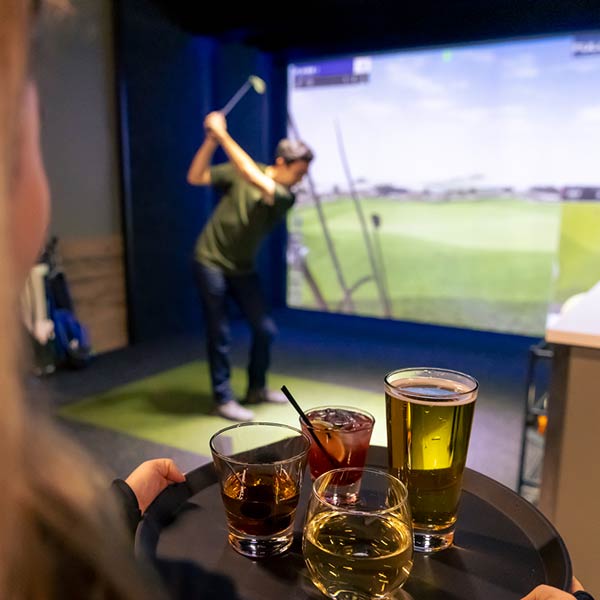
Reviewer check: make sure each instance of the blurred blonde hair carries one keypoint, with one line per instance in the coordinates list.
(61, 533)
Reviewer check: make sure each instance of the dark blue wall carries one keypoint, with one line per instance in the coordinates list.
(167, 81)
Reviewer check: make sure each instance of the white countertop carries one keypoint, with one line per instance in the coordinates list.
(579, 324)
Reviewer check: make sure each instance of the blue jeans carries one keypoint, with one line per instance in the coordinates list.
(215, 286)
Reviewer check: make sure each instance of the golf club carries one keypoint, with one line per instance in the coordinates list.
(253, 82)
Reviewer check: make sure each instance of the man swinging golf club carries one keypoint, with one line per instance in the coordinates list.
(254, 198)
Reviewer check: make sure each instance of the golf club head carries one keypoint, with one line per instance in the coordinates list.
(258, 84)
(254, 82)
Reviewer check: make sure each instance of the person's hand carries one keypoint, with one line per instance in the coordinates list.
(546, 592)
(215, 124)
(149, 479)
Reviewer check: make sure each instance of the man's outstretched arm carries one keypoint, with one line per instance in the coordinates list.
(199, 171)
(216, 128)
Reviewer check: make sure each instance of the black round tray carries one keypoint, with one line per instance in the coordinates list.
(504, 546)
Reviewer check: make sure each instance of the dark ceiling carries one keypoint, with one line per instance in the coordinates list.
(305, 27)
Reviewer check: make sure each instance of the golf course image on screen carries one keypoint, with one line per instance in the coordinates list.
(452, 186)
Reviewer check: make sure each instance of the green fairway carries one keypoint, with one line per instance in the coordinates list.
(482, 264)
(579, 253)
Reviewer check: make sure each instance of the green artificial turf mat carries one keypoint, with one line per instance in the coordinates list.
(173, 407)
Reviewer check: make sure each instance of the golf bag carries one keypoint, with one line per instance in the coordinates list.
(72, 346)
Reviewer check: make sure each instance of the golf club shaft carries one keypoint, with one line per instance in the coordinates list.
(236, 98)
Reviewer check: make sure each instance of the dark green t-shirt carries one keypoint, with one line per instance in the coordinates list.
(232, 237)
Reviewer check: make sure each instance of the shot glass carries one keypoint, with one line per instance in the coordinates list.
(358, 547)
(340, 437)
(260, 467)
(429, 415)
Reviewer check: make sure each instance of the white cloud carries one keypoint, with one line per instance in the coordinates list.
(523, 66)
(472, 115)
(459, 85)
(478, 56)
(407, 75)
(589, 114)
(511, 110)
(589, 64)
(434, 104)
(363, 107)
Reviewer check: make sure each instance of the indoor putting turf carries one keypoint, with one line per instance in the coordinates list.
(173, 407)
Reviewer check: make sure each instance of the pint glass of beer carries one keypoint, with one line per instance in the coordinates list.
(429, 416)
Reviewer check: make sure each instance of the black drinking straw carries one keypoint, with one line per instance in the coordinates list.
(309, 426)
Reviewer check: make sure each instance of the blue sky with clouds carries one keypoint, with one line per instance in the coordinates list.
(516, 113)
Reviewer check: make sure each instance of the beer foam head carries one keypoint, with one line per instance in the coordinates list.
(432, 386)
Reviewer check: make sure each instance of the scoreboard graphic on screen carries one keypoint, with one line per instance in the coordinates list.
(341, 71)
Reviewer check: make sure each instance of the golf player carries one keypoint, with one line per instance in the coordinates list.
(254, 198)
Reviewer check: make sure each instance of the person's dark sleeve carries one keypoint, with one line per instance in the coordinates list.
(129, 503)
(182, 579)
(583, 596)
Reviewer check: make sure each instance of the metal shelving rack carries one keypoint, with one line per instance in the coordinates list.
(536, 411)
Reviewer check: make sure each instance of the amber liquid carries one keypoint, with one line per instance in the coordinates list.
(260, 504)
(427, 445)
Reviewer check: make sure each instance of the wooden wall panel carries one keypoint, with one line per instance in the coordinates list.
(95, 270)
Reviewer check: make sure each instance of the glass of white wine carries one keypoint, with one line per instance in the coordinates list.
(359, 545)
